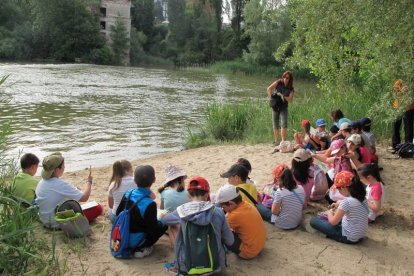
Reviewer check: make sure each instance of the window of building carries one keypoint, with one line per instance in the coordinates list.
(103, 25)
(103, 12)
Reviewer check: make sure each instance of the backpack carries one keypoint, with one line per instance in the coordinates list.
(201, 249)
(320, 183)
(71, 220)
(119, 241)
(406, 150)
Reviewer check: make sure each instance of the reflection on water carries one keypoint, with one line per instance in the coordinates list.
(98, 114)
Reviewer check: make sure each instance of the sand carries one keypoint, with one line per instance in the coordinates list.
(387, 250)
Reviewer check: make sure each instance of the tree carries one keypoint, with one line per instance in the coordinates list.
(142, 16)
(120, 42)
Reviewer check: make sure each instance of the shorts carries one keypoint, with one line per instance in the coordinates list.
(283, 114)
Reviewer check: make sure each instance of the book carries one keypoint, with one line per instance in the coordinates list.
(89, 204)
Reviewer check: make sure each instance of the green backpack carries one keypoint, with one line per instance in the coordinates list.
(201, 249)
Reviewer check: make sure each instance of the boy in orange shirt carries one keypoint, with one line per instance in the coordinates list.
(244, 220)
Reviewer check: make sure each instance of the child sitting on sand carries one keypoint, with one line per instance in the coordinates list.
(144, 228)
(270, 189)
(370, 176)
(198, 211)
(306, 139)
(347, 220)
(173, 193)
(245, 221)
(121, 181)
(24, 183)
(244, 162)
(288, 202)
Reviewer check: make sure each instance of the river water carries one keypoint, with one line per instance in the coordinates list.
(95, 115)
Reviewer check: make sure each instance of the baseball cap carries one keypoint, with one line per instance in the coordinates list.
(278, 170)
(226, 193)
(320, 122)
(238, 170)
(50, 163)
(344, 125)
(365, 121)
(144, 175)
(304, 123)
(343, 179)
(336, 145)
(355, 139)
(302, 155)
(198, 183)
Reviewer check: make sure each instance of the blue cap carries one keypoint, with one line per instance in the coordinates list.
(320, 122)
(365, 121)
(355, 124)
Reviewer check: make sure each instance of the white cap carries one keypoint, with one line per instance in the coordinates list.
(226, 193)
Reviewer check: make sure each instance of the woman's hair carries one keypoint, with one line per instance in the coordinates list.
(290, 75)
(179, 181)
(245, 163)
(287, 181)
(370, 169)
(300, 170)
(119, 169)
(337, 114)
(357, 189)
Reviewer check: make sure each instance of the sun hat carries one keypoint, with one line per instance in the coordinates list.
(172, 172)
(343, 179)
(304, 123)
(198, 183)
(278, 170)
(302, 155)
(320, 122)
(236, 169)
(226, 193)
(355, 139)
(50, 163)
(343, 120)
(344, 125)
(144, 175)
(336, 145)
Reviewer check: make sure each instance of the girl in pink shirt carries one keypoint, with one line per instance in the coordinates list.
(370, 176)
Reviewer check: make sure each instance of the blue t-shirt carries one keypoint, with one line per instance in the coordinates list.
(172, 199)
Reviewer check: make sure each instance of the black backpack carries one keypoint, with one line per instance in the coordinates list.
(201, 249)
(406, 150)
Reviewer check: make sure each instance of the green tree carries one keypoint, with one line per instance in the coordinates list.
(142, 16)
(120, 42)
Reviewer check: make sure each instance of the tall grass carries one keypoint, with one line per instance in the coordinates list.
(251, 120)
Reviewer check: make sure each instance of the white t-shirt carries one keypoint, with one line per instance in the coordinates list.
(355, 220)
(50, 193)
(291, 207)
(127, 183)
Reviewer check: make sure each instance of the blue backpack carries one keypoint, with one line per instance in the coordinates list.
(119, 241)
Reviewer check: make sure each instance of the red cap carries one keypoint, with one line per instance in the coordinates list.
(198, 183)
(343, 179)
(304, 123)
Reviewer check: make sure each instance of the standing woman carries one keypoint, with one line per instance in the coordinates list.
(281, 93)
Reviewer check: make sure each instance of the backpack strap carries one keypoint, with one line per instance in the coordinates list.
(134, 204)
(249, 196)
(297, 196)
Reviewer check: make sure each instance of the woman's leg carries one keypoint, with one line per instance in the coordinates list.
(284, 114)
(396, 138)
(275, 118)
(408, 125)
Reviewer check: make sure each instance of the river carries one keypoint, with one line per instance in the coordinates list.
(95, 115)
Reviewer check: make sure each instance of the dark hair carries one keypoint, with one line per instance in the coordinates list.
(307, 128)
(119, 170)
(287, 181)
(196, 192)
(179, 181)
(357, 189)
(300, 170)
(144, 176)
(337, 114)
(370, 169)
(28, 160)
(290, 83)
(245, 163)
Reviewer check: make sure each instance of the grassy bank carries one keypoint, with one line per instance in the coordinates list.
(251, 121)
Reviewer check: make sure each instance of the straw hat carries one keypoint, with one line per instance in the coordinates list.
(172, 172)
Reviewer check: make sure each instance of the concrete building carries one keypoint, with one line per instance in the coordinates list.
(110, 12)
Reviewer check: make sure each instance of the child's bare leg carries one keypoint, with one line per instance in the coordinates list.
(173, 233)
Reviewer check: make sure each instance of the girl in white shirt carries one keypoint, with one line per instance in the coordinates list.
(121, 181)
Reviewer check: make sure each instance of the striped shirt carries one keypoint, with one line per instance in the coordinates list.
(291, 207)
(355, 220)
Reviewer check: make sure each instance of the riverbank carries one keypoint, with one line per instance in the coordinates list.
(388, 249)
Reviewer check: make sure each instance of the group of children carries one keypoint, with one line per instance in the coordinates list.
(237, 212)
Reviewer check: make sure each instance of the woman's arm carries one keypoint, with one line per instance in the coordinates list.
(335, 217)
(272, 87)
(290, 97)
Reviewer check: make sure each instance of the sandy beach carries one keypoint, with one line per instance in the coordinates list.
(387, 250)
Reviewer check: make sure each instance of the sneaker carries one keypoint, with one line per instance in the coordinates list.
(143, 252)
(275, 143)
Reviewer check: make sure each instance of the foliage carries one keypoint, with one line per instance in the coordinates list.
(268, 28)
(142, 17)
(361, 45)
(120, 42)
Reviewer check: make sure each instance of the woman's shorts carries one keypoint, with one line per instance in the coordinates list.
(283, 114)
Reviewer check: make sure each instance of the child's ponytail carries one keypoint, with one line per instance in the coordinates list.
(357, 189)
(370, 169)
(119, 170)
